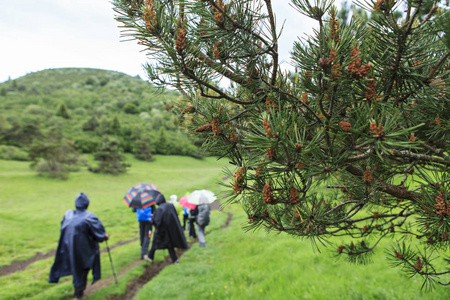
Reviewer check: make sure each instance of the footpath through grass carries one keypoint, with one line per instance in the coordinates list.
(32, 207)
(233, 265)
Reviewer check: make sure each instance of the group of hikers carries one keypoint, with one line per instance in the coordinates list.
(81, 231)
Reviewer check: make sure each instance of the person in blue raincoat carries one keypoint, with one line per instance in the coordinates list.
(78, 250)
(144, 217)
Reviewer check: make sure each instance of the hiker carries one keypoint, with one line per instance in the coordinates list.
(173, 199)
(185, 217)
(202, 219)
(144, 217)
(191, 223)
(168, 232)
(78, 250)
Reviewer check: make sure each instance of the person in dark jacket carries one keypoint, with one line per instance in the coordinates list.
(191, 225)
(168, 232)
(78, 250)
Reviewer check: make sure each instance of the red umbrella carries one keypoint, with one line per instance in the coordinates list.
(184, 202)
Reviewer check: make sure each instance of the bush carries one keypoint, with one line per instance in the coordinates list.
(54, 158)
(91, 81)
(104, 81)
(13, 153)
(130, 108)
(33, 109)
(57, 170)
(86, 144)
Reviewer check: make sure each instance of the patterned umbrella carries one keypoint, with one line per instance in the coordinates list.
(141, 195)
(184, 202)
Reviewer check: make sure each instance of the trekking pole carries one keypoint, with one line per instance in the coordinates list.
(110, 260)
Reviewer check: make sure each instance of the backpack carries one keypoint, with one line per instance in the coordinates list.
(144, 214)
(203, 215)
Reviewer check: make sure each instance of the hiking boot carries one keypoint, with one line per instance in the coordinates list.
(148, 258)
(202, 244)
(176, 262)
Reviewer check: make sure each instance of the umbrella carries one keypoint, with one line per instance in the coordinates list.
(201, 197)
(141, 195)
(184, 202)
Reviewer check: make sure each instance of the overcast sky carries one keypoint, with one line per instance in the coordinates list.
(42, 34)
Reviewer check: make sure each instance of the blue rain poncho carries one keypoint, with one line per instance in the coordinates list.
(78, 249)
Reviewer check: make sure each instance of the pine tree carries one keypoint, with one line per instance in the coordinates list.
(91, 124)
(365, 117)
(110, 158)
(104, 126)
(142, 149)
(162, 144)
(115, 126)
(62, 111)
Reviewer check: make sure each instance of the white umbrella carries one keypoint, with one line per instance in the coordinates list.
(201, 197)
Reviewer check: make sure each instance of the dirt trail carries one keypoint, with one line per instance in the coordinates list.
(133, 286)
(136, 284)
(151, 271)
(21, 265)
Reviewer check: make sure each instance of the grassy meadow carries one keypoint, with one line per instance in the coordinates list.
(234, 264)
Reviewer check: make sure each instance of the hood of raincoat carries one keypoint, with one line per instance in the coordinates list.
(82, 201)
(160, 199)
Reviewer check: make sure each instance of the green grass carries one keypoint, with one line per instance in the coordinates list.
(233, 265)
(32, 206)
(32, 209)
(256, 265)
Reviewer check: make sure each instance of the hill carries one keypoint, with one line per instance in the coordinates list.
(83, 106)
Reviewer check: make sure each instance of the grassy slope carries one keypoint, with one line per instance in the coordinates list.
(234, 265)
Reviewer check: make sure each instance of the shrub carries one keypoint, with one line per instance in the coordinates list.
(87, 144)
(13, 153)
(130, 108)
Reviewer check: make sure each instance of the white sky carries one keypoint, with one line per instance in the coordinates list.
(42, 34)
